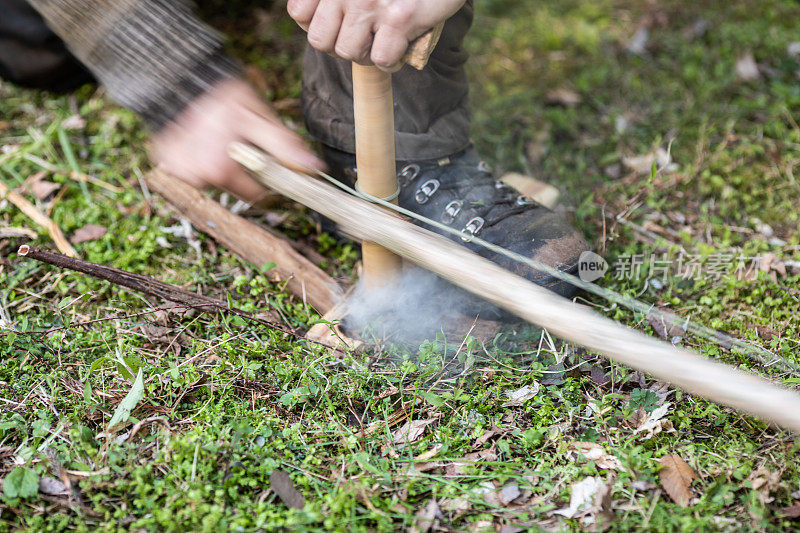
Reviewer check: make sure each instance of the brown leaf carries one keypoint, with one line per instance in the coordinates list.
(793, 511)
(90, 232)
(563, 96)
(655, 423)
(411, 431)
(676, 476)
(42, 189)
(598, 376)
(595, 453)
(765, 482)
(456, 468)
(536, 149)
(747, 68)
(74, 122)
(638, 418)
(457, 506)
(520, 396)
(430, 454)
(282, 485)
(508, 493)
(52, 486)
(426, 516)
(488, 434)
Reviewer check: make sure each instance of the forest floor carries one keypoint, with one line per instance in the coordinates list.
(529, 432)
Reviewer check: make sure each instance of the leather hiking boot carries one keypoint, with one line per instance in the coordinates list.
(460, 192)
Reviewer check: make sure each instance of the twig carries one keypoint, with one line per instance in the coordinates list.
(39, 218)
(136, 282)
(159, 289)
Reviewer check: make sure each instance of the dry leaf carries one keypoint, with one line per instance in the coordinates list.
(793, 511)
(563, 96)
(282, 484)
(74, 122)
(642, 164)
(519, 396)
(536, 149)
(654, 424)
(419, 468)
(488, 434)
(430, 454)
(42, 189)
(765, 482)
(508, 493)
(411, 431)
(90, 232)
(638, 43)
(456, 468)
(53, 486)
(676, 476)
(599, 376)
(426, 516)
(595, 453)
(640, 484)
(457, 506)
(581, 497)
(747, 68)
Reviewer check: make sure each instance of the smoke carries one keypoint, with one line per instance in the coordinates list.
(414, 307)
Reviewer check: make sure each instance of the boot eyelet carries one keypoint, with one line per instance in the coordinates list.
(451, 211)
(426, 191)
(472, 228)
(408, 174)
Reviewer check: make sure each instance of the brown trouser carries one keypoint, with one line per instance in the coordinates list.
(431, 108)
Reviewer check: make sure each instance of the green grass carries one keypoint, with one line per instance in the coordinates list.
(237, 400)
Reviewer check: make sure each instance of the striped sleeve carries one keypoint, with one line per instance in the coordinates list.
(154, 56)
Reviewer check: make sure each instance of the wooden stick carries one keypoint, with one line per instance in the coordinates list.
(39, 218)
(129, 280)
(687, 370)
(421, 49)
(373, 109)
(374, 124)
(250, 242)
(165, 291)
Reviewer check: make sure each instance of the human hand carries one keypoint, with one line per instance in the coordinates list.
(194, 147)
(369, 31)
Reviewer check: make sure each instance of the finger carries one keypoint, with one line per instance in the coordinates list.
(283, 144)
(324, 27)
(302, 11)
(355, 37)
(243, 186)
(388, 48)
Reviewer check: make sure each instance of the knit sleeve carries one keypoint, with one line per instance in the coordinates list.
(153, 56)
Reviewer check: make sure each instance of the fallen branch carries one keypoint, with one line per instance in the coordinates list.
(32, 212)
(158, 289)
(689, 371)
(136, 282)
(250, 242)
